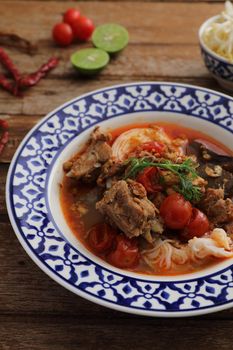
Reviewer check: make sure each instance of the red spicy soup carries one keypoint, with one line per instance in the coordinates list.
(81, 218)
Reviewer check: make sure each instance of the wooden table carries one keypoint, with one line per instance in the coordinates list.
(35, 312)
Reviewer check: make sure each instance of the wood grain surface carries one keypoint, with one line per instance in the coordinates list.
(35, 312)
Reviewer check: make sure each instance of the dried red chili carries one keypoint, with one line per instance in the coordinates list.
(9, 65)
(4, 124)
(7, 85)
(19, 81)
(33, 78)
(3, 141)
(5, 135)
(15, 40)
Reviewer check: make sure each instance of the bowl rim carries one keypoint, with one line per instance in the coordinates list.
(204, 46)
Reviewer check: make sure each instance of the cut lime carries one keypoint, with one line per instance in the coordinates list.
(110, 37)
(90, 61)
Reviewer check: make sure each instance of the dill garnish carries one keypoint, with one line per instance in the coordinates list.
(185, 171)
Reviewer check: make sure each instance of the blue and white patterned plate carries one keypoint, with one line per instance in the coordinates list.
(32, 195)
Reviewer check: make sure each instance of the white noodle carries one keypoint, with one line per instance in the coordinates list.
(129, 140)
(166, 254)
(218, 36)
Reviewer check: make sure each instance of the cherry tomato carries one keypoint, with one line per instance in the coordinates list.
(126, 254)
(153, 146)
(62, 34)
(176, 211)
(101, 237)
(197, 226)
(71, 15)
(149, 179)
(83, 28)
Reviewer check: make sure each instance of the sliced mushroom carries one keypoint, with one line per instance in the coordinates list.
(216, 169)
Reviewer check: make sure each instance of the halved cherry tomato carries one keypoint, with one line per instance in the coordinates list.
(197, 226)
(176, 211)
(149, 178)
(101, 237)
(153, 146)
(126, 254)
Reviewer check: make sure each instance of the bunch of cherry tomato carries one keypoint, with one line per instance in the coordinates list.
(119, 250)
(179, 214)
(74, 26)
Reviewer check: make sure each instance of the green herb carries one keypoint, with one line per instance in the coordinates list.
(190, 192)
(185, 171)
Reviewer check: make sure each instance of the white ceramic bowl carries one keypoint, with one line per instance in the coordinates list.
(219, 67)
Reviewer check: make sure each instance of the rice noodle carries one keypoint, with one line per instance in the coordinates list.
(218, 36)
(129, 140)
(168, 253)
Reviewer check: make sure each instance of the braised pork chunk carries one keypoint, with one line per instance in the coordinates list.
(127, 207)
(87, 166)
(218, 209)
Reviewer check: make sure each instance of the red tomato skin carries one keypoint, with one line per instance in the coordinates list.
(148, 179)
(197, 226)
(176, 211)
(71, 15)
(83, 28)
(101, 237)
(153, 146)
(62, 34)
(126, 254)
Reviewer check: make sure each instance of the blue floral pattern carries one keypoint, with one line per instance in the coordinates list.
(29, 212)
(217, 67)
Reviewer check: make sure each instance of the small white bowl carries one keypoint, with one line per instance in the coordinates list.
(218, 66)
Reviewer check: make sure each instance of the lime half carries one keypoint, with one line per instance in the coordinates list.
(110, 37)
(90, 61)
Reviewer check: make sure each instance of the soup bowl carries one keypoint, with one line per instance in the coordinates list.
(220, 68)
(35, 211)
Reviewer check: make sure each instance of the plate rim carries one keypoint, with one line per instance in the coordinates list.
(60, 280)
